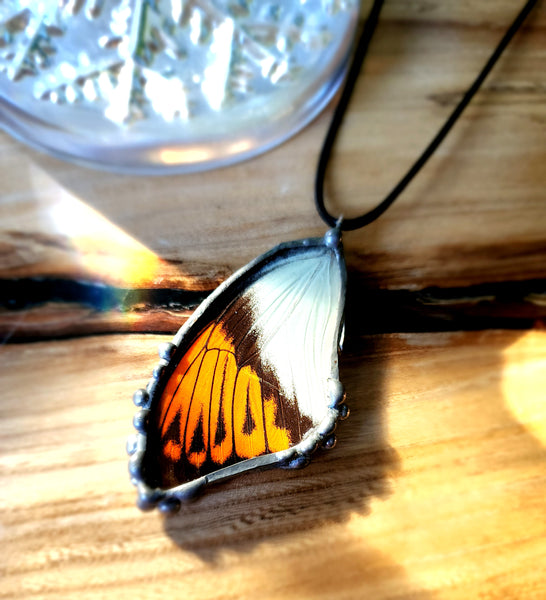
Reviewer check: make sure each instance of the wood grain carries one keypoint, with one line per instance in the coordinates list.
(435, 489)
(475, 214)
(456, 225)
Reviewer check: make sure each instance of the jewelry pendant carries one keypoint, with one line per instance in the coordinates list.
(250, 381)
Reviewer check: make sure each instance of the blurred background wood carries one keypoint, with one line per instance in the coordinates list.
(476, 213)
(437, 486)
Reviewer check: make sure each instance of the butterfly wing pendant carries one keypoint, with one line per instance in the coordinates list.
(250, 381)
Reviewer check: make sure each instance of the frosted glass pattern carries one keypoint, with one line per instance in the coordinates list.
(158, 85)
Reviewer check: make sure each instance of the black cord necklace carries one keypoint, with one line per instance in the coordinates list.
(352, 76)
(251, 380)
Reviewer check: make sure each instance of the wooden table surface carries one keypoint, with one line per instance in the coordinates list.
(437, 487)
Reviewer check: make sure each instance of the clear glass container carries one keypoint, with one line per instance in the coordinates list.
(154, 86)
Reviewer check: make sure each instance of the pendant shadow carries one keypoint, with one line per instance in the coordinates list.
(337, 483)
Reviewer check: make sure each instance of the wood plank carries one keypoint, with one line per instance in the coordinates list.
(475, 214)
(437, 487)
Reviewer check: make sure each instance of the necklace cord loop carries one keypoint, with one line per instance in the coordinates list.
(360, 53)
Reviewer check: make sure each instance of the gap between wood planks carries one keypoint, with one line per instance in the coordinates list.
(51, 308)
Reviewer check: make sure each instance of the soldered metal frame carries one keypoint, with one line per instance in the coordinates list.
(297, 456)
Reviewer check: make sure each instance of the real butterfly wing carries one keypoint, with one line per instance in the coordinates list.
(253, 379)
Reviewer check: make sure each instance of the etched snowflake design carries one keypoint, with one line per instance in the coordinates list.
(172, 59)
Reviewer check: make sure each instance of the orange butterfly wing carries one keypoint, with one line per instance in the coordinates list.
(251, 380)
(219, 407)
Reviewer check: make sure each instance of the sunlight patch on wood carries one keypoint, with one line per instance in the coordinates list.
(524, 382)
